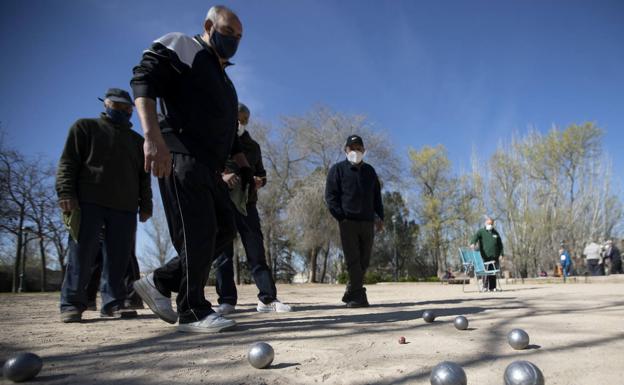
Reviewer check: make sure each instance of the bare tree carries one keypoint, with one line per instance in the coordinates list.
(159, 249)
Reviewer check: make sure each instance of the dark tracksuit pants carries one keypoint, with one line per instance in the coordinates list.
(132, 274)
(594, 267)
(357, 244)
(251, 235)
(120, 227)
(201, 224)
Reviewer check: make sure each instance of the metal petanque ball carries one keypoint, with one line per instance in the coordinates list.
(461, 322)
(518, 339)
(523, 373)
(428, 316)
(22, 367)
(260, 355)
(448, 373)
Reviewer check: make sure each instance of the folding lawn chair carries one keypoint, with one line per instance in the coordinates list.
(472, 261)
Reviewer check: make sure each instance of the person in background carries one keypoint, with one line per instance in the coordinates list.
(353, 196)
(565, 261)
(592, 258)
(249, 229)
(613, 254)
(491, 248)
(101, 181)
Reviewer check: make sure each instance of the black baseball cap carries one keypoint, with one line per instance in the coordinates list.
(354, 139)
(118, 95)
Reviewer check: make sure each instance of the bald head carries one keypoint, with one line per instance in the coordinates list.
(223, 20)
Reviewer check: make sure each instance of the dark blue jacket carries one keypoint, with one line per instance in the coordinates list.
(353, 192)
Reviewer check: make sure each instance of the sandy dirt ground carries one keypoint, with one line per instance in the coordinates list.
(576, 330)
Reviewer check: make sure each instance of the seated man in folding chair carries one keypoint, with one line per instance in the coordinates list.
(491, 248)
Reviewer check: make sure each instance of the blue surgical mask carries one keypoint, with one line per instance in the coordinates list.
(118, 116)
(225, 46)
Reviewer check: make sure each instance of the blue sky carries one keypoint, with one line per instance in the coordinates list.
(466, 74)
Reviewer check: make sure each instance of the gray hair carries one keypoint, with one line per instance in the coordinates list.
(243, 108)
(215, 11)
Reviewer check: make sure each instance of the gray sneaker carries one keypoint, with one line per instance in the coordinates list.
(225, 308)
(212, 323)
(160, 305)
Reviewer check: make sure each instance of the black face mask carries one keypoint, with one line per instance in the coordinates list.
(118, 116)
(225, 46)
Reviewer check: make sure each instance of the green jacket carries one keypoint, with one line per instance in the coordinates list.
(490, 243)
(102, 163)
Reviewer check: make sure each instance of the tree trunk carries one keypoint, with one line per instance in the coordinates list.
(237, 278)
(325, 259)
(43, 263)
(312, 254)
(18, 251)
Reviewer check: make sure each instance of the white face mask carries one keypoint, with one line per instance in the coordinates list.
(241, 129)
(355, 157)
(489, 227)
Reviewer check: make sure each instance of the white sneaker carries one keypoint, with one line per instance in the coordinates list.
(160, 305)
(212, 323)
(224, 308)
(275, 306)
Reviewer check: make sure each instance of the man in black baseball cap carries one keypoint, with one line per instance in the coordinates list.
(101, 181)
(353, 196)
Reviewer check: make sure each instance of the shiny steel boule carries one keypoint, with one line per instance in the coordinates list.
(518, 339)
(22, 367)
(461, 323)
(523, 373)
(448, 373)
(260, 355)
(429, 316)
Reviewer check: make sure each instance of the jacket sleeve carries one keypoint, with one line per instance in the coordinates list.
(154, 73)
(333, 194)
(500, 244)
(379, 210)
(259, 167)
(475, 238)
(237, 147)
(145, 189)
(70, 163)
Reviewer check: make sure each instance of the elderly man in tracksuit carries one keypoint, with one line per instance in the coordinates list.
(187, 151)
(491, 248)
(249, 229)
(353, 196)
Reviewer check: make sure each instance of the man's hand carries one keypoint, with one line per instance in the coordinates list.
(157, 157)
(472, 246)
(379, 225)
(143, 216)
(259, 182)
(247, 178)
(231, 180)
(68, 205)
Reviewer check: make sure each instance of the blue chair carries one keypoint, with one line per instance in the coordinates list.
(472, 261)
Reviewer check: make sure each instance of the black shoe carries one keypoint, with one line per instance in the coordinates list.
(134, 304)
(91, 306)
(118, 313)
(356, 304)
(71, 316)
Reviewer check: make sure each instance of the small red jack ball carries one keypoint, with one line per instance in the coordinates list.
(402, 340)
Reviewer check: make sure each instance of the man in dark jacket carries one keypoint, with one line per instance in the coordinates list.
(353, 196)
(187, 151)
(613, 253)
(100, 179)
(491, 249)
(249, 229)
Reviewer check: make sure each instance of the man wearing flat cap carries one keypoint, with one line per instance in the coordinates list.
(353, 196)
(101, 183)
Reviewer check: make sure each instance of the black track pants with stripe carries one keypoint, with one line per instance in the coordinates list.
(201, 224)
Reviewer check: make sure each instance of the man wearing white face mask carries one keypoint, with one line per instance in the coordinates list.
(491, 248)
(353, 196)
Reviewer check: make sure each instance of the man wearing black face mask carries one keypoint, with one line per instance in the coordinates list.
(187, 151)
(100, 180)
